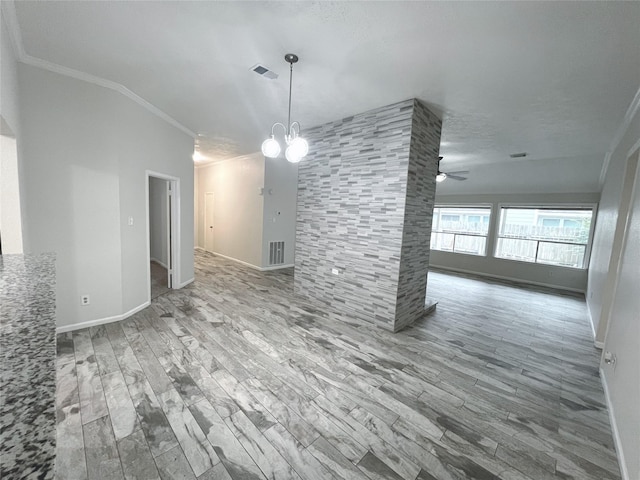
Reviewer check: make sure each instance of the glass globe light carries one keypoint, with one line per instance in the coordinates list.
(292, 154)
(300, 145)
(441, 177)
(271, 147)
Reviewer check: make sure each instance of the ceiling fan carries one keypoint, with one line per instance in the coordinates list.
(442, 176)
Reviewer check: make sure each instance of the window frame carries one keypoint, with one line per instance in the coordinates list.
(593, 207)
(487, 236)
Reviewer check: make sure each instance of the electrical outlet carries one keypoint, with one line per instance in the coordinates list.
(84, 300)
(130, 221)
(610, 359)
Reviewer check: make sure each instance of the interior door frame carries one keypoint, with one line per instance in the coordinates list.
(173, 232)
(170, 261)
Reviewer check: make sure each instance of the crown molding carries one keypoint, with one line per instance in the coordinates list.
(605, 167)
(632, 150)
(628, 117)
(11, 19)
(101, 82)
(206, 164)
(248, 156)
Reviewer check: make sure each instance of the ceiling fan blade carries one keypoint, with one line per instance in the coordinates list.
(456, 177)
(458, 172)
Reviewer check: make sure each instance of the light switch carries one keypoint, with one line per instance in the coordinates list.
(130, 221)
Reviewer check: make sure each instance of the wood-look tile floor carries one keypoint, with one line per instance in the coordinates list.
(235, 377)
(158, 280)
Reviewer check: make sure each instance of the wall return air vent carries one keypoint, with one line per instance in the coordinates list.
(276, 253)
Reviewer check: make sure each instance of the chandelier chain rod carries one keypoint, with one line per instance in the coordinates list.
(290, 84)
(297, 147)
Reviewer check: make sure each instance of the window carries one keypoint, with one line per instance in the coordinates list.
(571, 224)
(460, 229)
(553, 236)
(478, 219)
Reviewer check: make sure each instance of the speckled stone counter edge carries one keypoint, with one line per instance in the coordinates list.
(27, 361)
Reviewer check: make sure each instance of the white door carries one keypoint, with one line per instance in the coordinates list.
(208, 221)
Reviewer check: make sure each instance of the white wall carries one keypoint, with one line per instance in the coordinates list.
(11, 201)
(613, 300)
(10, 220)
(238, 211)
(8, 79)
(196, 195)
(158, 226)
(607, 240)
(623, 340)
(280, 197)
(149, 143)
(245, 220)
(86, 150)
(553, 276)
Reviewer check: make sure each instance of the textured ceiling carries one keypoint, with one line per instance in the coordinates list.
(552, 79)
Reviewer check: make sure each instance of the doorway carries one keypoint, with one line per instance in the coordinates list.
(162, 230)
(209, 221)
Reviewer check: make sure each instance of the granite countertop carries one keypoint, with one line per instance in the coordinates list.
(27, 366)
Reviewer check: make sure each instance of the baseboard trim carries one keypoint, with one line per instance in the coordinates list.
(614, 427)
(155, 260)
(101, 321)
(277, 267)
(185, 283)
(597, 343)
(511, 279)
(247, 264)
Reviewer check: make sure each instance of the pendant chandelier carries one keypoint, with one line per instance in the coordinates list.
(297, 147)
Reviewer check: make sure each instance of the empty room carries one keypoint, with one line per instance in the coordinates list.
(319, 240)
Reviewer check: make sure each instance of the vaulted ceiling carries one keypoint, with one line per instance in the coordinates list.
(553, 79)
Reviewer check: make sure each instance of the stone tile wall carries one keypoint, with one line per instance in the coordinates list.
(352, 190)
(418, 216)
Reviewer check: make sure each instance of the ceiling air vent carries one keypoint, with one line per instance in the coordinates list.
(264, 71)
(518, 155)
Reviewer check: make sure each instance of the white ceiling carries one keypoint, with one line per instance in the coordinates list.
(552, 79)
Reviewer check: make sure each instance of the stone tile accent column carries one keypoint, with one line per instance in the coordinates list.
(418, 216)
(365, 203)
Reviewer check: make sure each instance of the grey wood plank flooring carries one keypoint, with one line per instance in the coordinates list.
(235, 377)
(158, 280)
